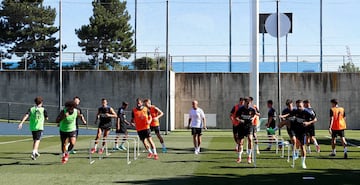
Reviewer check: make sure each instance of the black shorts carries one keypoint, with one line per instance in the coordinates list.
(105, 126)
(244, 130)
(335, 133)
(299, 131)
(66, 135)
(235, 129)
(143, 134)
(290, 132)
(37, 135)
(156, 129)
(310, 130)
(122, 130)
(196, 131)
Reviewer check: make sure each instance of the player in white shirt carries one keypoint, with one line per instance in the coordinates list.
(196, 123)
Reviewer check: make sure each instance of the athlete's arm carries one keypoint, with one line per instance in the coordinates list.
(81, 116)
(60, 117)
(112, 113)
(204, 121)
(160, 114)
(26, 116)
(331, 121)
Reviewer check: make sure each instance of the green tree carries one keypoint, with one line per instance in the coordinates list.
(108, 35)
(348, 67)
(148, 63)
(28, 32)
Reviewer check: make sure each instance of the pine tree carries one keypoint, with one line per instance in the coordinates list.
(108, 35)
(29, 32)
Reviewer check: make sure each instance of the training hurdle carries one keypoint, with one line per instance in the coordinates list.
(113, 140)
(278, 141)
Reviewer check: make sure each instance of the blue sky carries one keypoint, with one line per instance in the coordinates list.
(200, 27)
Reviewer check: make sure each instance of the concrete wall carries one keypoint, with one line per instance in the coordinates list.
(90, 86)
(216, 92)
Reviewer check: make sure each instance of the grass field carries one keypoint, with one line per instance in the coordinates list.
(215, 165)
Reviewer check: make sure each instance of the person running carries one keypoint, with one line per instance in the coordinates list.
(245, 116)
(37, 115)
(196, 122)
(310, 130)
(337, 126)
(76, 99)
(142, 119)
(287, 116)
(303, 118)
(255, 122)
(270, 123)
(235, 122)
(67, 122)
(121, 127)
(105, 114)
(156, 114)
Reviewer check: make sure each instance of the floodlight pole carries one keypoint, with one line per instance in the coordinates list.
(135, 34)
(278, 55)
(254, 51)
(60, 57)
(321, 36)
(167, 71)
(230, 44)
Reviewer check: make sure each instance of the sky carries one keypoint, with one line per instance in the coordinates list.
(201, 27)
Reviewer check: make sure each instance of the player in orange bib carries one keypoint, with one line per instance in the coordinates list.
(235, 122)
(141, 117)
(337, 127)
(156, 114)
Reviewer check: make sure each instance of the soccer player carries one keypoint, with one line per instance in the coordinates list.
(235, 122)
(141, 117)
(67, 122)
(121, 127)
(156, 114)
(105, 114)
(271, 122)
(310, 130)
(245, 116)
(76, 99)
(303, 118)
(255, 123)
(337, 126)
(196, 122)
(286, 118)
(37, 115)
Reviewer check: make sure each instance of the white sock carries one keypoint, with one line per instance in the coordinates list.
(334, 151)
(163, 145)
(345, 149)
(316, 143)
(303, 160)
(308, 147)
(150, 151)
(154, 151)
(249, 154)
(95, 146)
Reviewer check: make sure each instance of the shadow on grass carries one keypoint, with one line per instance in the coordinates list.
(316, 177)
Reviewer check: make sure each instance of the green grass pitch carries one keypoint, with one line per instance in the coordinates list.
(215, 165)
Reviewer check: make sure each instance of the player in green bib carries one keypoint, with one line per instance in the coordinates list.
(67, 123)
(37, 116)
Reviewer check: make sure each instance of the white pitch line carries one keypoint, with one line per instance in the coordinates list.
(347, 143)
(30, 139)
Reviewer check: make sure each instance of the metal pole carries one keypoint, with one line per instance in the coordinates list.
(135, 40)
(60, 57)
(254, 50)
(230, 44)
(286, 48)
(278, 55)
(263, 45)
(321, 36)
(167, 71)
